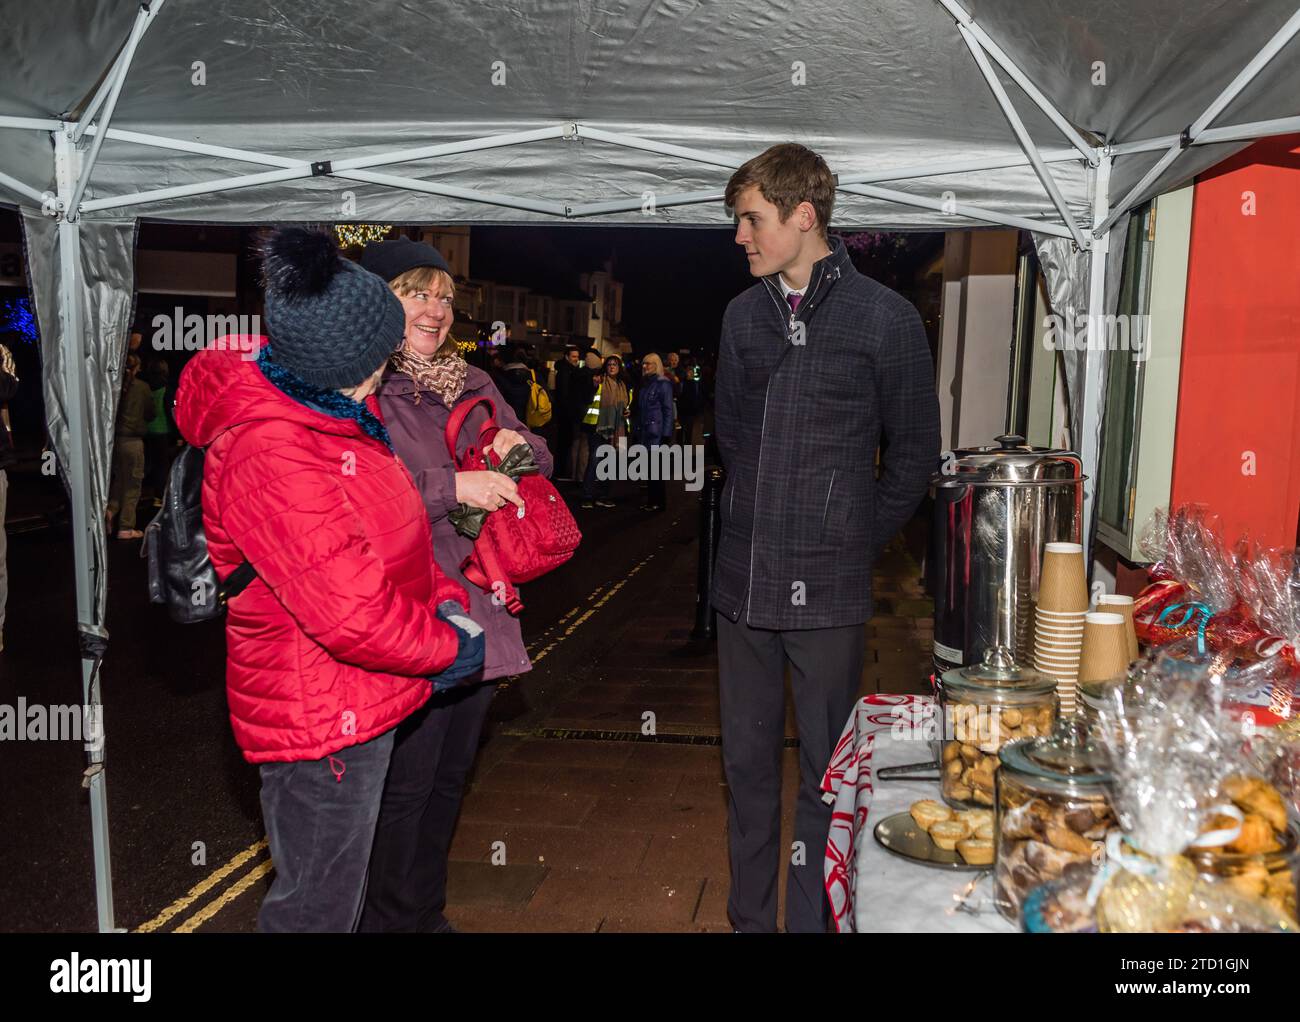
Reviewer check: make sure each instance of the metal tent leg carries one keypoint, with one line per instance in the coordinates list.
(84, 519)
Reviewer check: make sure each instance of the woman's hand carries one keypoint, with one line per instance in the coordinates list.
(505, 440)
(487, 490)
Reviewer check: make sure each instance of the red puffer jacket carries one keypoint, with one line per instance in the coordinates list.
(332, 644)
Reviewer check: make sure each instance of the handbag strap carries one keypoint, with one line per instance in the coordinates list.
(487, 554)
(456, 422)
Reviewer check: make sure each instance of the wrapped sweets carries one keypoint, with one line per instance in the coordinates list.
(1208, 844)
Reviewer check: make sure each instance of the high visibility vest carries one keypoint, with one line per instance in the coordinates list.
(593, 410)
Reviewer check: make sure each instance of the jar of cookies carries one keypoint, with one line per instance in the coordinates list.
(1260, 858)
(1052, 813)
(984, 707)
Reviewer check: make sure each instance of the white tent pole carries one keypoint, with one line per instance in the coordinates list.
(922, 170)
(624, 205)
(184, 145)
(1086, 149)
(1094, 358)
(491, 198)
(956, 167)
(77, 474)
(1244, 77)
(954, 208)
(1255, 129)
(27, 191)
(661, 148)
(123, 57)
(1022, 135)
(31, 123)
(198, 188)
(1248, 73)
(143, 20)
(451, 148)
(101, 93)
(1227, 133)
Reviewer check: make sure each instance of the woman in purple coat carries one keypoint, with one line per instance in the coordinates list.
(435, 747)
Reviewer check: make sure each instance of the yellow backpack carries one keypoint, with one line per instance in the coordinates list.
(539, 405)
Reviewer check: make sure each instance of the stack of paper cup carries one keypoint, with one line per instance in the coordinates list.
(1105, 648)
(1122, 605)
(1059, 619)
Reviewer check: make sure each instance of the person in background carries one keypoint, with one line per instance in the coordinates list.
(654, 423)
(690, 402)
(347, 620)
(569, 391)
(604, 424)
(513, 382)
(426, 381)
(673, 373)
(134, 409)
(158, 431)
(595, 369)
(8, 388)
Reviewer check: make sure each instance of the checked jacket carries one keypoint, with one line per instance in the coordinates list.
(802, 404)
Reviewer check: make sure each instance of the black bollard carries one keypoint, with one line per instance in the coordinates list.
(710, 532)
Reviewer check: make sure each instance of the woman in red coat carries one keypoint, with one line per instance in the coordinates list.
(336, 640)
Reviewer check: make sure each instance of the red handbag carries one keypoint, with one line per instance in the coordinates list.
(516, 544)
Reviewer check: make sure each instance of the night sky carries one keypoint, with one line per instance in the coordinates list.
(676, 281)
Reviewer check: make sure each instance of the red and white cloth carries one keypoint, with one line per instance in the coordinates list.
(847, 785)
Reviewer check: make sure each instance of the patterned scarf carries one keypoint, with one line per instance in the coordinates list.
(444, 375)
(328, 402)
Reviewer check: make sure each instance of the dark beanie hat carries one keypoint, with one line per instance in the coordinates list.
(390, 259)
(330, 322)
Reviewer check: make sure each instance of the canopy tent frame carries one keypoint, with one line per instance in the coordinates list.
(1233, 89)
(77, 144)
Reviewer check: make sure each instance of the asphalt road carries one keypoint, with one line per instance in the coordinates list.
(182, 801)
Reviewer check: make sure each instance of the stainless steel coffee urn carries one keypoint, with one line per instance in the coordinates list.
(995, 508)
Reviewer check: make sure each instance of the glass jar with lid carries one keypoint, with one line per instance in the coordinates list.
(984, 707)
(1052, 814)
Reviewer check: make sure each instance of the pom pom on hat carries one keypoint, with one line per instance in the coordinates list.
(298, 262)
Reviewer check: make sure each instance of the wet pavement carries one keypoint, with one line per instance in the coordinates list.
(577, 818)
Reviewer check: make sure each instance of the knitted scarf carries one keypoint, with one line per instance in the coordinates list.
(328, 402)
(444, 375)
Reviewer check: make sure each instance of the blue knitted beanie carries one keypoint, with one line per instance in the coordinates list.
(331, 323)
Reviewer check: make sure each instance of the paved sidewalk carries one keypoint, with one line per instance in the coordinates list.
(576, 821)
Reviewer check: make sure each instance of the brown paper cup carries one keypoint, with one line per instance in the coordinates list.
(1059, 616)
(1122, 605)
(1063, 585)
(1105, 648)
(1061, 631)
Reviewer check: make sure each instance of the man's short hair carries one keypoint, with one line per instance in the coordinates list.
(786, 175)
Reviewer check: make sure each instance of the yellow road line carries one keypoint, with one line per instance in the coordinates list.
(213, 907)
(590, 611)
(202, 888)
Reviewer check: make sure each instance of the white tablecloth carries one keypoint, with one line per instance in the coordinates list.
(873, 890)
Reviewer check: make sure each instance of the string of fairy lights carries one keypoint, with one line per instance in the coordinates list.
(360, 234)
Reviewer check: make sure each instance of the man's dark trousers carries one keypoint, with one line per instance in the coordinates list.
(825, 672)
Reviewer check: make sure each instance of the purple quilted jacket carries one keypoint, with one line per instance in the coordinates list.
(416, 430)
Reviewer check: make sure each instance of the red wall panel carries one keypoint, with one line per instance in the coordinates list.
(1239, 386)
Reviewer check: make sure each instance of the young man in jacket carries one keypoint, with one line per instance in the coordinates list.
(818, 367)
